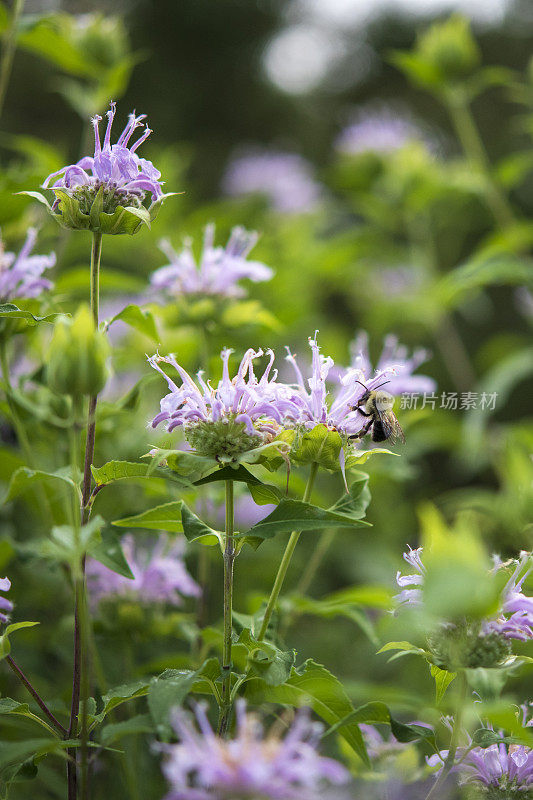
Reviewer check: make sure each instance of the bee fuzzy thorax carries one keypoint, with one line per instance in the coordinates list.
(379, 401)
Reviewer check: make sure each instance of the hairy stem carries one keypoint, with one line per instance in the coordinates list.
(229, 558)
(80, 684)
(286, 560)
(454, 741)
(8, 50)
(36, 696)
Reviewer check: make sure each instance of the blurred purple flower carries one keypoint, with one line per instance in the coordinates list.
(204, 767)
(242, 399)
(310, 398)
(506, 768)
(515, 617)
(393, 356)
(5, 604)
(160, 575)
(377, 131)
(20, 276)
(286, 179)
(219, 269)
(116, 167)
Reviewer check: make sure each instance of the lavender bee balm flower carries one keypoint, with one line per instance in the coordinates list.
(107, 192)
(21, 276)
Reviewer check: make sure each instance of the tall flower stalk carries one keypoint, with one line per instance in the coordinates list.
(229, 559)
(286, 560)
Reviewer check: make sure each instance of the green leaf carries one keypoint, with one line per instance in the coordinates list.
(312, 684)
(197, 531)
(166, 517)
(443, 678)
(354, 502)
(12, 311)
(128, 470)
(185, 463)
(329, 610)
(5, 644)
(295, 515)
(69, 544)
(139, 318)
(404, 648)
(109, 553)
(141, 723)
(230, 473)
(117, 696)
(456, 285)
(358, 457)
(319, 446)
(375, 713)
(24, 477)
(169, 690)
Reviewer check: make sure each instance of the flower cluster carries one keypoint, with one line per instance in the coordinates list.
(124, 177)
(5, 604)
(286, 179)
(499, 771)
(394, 357)
(204, 767)
(159, 575)
(218, 271)
(21, 276)
(377, 131)
(239, 414)
(473, 644)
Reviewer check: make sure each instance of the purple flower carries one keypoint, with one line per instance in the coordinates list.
(117, 168)
(393, 356)
(286, 179)
(507, 768)
(236, 416)
(204, 767)
(376, 131)
(218, 271)
(515, 617)
(160, 575)
(5, 605)
(310, 398)
(411, 596)
(20, 276)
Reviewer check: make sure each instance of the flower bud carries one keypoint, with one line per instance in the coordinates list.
(449, 49)
(77, 356)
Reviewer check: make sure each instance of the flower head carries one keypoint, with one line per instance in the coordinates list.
(237, 415)
(106, 192)
(394, 356)
(285, 178)
(311, 398)
(251, 765)
(499, 771)
(5, 604)
(159, 575)
(20, 276)
(470, 643)
(218, 271)
(376, 131)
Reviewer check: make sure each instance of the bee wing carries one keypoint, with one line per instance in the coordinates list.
(391, 427)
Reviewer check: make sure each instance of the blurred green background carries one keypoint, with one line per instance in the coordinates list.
(429, 240)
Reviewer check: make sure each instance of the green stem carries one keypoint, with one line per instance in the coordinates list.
(474, 149)
(315, 561)
(456, 733)
(10, 44)
(80, 685)
(229, 558)
(286, 560)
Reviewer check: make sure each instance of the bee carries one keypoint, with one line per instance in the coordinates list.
(377, 406)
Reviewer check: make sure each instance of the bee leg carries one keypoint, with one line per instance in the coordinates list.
(363, 431)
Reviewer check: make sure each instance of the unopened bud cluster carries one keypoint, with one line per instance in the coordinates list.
(77, 359)
(455, 647)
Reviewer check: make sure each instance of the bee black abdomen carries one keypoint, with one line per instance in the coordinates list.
(378, 434)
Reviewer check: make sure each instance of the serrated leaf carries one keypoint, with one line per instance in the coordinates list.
(375, 713)
(109, 553)
(166, 517)
(229, 473)
(141, 723)
(169, 690)
(265, 660)
(312, 684)
(124, 470)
